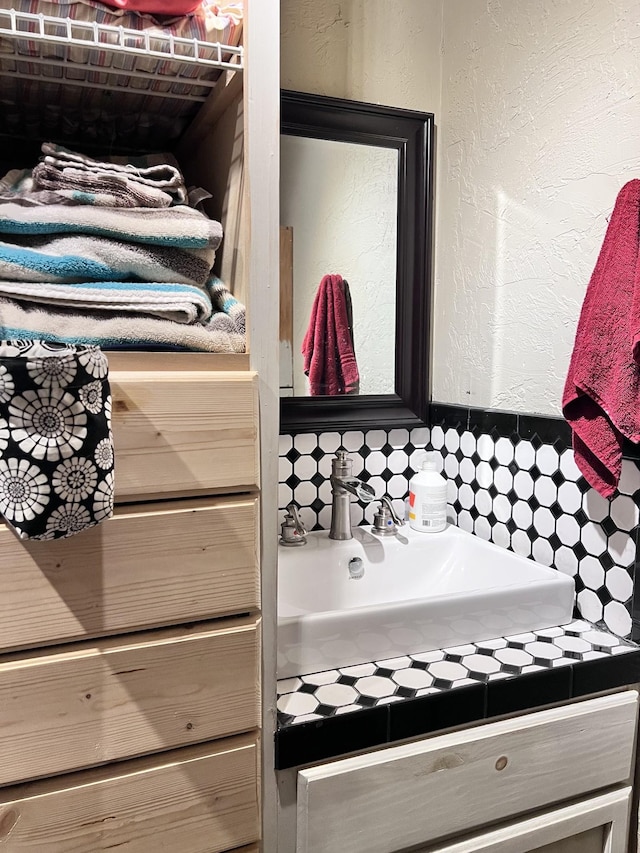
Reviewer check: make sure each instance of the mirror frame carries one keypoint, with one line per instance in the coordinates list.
(411, 134)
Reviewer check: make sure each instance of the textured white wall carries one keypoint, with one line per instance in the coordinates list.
(366, 50)
(341, 200)
(538, 121)
(539, 128)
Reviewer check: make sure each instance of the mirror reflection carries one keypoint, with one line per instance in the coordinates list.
(355, 263)
(338, 216)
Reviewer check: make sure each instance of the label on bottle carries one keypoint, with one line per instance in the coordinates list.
(429, 513)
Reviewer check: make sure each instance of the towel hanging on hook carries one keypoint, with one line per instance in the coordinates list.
(327, 348)
(601, 399)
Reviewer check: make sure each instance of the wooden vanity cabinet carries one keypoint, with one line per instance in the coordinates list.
(129, 654)
(130, 672)
(558, 780)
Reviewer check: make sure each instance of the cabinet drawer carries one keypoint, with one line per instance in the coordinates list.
(195, 800)
(456, 782)
(153, 565)
(184, 432)
(599, 824)
(83, 704)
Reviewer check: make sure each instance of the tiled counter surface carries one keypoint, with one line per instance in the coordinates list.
(328, 714)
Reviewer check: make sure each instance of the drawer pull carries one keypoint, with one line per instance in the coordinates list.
(502, 762)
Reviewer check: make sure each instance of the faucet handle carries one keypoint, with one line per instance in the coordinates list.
(292, 530)
(386, 521)
(292, 512)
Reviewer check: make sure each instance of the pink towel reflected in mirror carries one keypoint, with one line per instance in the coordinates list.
(328, 348)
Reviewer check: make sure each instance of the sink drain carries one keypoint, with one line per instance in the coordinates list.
(356, 568)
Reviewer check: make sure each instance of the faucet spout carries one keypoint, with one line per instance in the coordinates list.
(343, 485)
(361, 490)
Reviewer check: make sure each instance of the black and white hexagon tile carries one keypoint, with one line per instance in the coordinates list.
(524, 494)
(385, 459)
(353, 688)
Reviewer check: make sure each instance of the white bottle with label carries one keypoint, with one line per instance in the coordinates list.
(428, 497)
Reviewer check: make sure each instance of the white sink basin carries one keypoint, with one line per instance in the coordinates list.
(418, 592)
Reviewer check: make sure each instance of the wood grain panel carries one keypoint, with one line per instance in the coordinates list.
(228, 89)
(184, 432)
(286, 284)
(125, 362)
(216, 162)
(84, 704)
(155, 564)
(194, 800)
(423, 788)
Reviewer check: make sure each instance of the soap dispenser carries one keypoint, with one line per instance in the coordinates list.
(428, 496)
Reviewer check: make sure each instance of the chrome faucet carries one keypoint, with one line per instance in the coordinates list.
(343, 485)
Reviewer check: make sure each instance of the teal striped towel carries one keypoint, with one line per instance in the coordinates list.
(180, 303)
(150, 181)
(180, 226)
(222, 332)
(61, 258)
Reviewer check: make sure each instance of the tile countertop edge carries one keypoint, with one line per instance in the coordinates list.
(383, 724)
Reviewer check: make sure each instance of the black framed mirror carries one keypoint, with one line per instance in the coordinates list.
(404, 141)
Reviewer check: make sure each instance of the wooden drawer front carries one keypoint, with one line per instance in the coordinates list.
(456, 782)
(152, 565)
(82, 705)
(195, 800)
(184, 432)
(598, 824)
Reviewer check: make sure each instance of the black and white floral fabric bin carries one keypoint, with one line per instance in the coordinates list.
(56, 446)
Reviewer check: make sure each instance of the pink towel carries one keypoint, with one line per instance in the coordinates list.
(601, 399)
(329, 359)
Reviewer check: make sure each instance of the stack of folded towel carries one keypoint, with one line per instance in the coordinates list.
(110, 253)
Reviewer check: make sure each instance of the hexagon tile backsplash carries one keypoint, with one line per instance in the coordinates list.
(511, 480)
